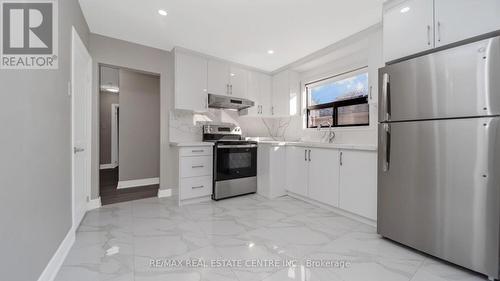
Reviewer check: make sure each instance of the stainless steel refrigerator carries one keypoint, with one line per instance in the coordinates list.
(439, 154)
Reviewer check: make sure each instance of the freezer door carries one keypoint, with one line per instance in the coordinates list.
(438, 189)
(458, 82)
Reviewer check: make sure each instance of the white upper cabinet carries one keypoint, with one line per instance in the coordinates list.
(238, 82)
(254, 93)
(324, 176)
(285, 97)
(266, 92)
(218, 77)
(414, 26)
(461, 19)
(408, 28)
(260, 92)
(190, 82)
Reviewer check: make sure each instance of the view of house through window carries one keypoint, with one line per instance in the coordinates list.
(339, 101)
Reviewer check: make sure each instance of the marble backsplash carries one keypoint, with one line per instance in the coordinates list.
(186, 126)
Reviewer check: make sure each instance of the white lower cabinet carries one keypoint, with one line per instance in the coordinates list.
(345, 179)
(324, 176)
(358, 183)
(297, 167)
(194, 173)
(271, 171)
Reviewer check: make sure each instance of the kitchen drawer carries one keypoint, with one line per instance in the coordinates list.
(195, 187)
(196, 166)
(196, 151)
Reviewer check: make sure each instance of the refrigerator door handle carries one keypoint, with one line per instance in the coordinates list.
(386, 144)
(386, 95)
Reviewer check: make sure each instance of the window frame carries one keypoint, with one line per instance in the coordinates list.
(336, 104)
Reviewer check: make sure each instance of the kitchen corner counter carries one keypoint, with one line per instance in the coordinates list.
(191, 144)
(366, 147)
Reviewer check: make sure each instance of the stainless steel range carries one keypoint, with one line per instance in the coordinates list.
(235, 161)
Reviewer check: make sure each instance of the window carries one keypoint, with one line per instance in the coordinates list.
(339, 101)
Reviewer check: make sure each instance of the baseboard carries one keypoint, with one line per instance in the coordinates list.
(162, 193)
(55, 263)
(140, 182)
(108, 166)
(195, 200)
(94, 204)
(334, 209)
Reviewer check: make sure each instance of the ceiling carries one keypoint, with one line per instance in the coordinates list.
(241, 31)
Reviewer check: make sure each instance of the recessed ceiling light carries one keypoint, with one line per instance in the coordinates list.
(270, 52)
(405, 10)
(162, 12)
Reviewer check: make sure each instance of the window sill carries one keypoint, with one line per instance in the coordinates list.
(342, 129)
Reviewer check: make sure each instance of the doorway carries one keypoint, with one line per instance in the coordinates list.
(129, 134)
(81, 95)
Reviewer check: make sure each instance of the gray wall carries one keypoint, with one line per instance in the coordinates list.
(139, 135)
(124, 54)
(106, 99)
(35, 162)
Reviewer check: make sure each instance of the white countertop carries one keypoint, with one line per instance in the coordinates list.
(191, 144)
(367, 147)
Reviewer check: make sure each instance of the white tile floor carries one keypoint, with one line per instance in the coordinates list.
(118, 243)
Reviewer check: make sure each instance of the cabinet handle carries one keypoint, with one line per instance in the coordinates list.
(272, 110)
(305, 154)
(371, 89)
(309, 155)
(227, 89)
(439, 31)
(198, 187)
(341, 156)
(198, 166)
(197, 151)
(429, 35)
(231, 87)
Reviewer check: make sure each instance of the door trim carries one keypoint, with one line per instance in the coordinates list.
(75, 37)
(114, 135)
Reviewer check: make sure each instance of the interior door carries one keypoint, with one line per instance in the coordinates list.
(218, 78)
(297, 166)
(438, 188)
(81, 66)
(408, 29)
(324, 176)
(458, 82)
(459, 19)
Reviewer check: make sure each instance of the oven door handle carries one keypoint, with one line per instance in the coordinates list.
(237, 146)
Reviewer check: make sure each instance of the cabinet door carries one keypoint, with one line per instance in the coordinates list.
(296, 170)
(461, 19)
(190, 82)
(218, 77)
(238, 82)
(281, 92)
(324, 176)
(408, 29)
(265, 94)
(358, 183)
(253, 93)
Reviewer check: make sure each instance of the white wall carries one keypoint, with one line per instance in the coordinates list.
(35, 161)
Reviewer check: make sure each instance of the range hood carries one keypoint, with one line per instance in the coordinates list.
(225, 102)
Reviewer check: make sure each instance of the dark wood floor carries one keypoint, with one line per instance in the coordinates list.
(110, 194)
